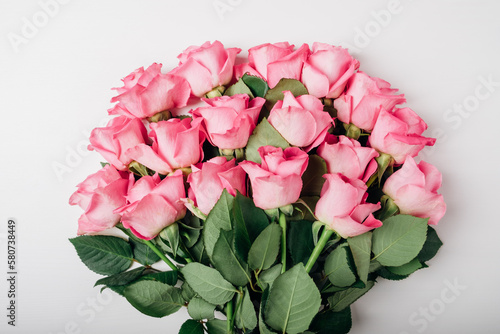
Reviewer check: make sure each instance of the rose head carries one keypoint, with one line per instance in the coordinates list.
(99, 195)
(176, 144)
(207, 181)
(228, 121)
(399, 134)
(119, 135)
(301, 121)
(206, 66)
(348, 158)
(343, 208)
(413, 188)
(361, 101)
(153, 205)
(147, 92)
(327, 70)
(277, 181)
(272, 62)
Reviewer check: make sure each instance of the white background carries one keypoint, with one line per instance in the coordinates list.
(55, 88)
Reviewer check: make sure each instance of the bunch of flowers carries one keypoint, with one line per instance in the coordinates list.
(276, 190)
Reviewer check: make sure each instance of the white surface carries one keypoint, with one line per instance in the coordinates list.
(56, 88)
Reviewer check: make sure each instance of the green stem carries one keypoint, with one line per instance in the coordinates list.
(282, 222)
(230, 317)
(160, 254)
(325, 236)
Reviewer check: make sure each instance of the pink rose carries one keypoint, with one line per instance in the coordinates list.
(327, 70)
(343, 208)
(364, 96)
(120, 134)
(99, 195)
(154, 204)
(413, 188)
(272, 62)
(399, 134)
(176, 144)
(206, 67)
(145, 93)
(348, 158)
(301, 121)
(277, 181)
(209, 179)
(229, 120)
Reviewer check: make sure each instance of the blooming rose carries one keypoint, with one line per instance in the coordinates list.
(206, 66)
(209, 179)
(343, 208)
(153, 204)
(348, 158)
(99, 195)
(301, 121)
(145, 93)
(176, 144)
(360, 103)
(399, 134)
(229, 120)
(272, 62)
(120, 134)
(414, 188)
(327, 70)
(277, 181)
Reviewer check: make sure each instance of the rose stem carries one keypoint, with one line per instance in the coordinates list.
(282, 221)
(325, 236)
(160, 254)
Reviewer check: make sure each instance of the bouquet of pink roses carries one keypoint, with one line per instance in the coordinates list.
(276, 190)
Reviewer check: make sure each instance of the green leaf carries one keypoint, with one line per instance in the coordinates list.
(258, 86)
(219, 218)
(190, 233)
(241, 241)
(407, 268)
(341, 300)
(208, 283)
(399, 240)
(227, 263)
(293, 301)
(199, 253)
(191, 327)
(172, 236)
(200, 309)
(337, 268)
(105, 255)
(246, 317)
(387, 274)
(431, 245)
(332, 322)
(274, 95)
(300, 240)
(123, 278)
(143, 253)
(267, 277)
(238, 88)
(312, 179)
(187, 292)
(255, 218)
(154, 298)
(217, 326)
(264, 134)
(361, 246)
(263, 327)
(265, 248)
(166, 277)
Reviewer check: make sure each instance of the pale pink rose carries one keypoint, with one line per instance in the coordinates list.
(413, 188)
(277, 181)
(361, 101)
(206, 67)
(348, 158)
(327, 70)
(228, 121)
(147, 92)
(399, 134)
(301, 121)
(113, 140)
(176, 144)
(99, 195)
(343, 208)
(153, 204)
(207, 181)
(272, 62)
